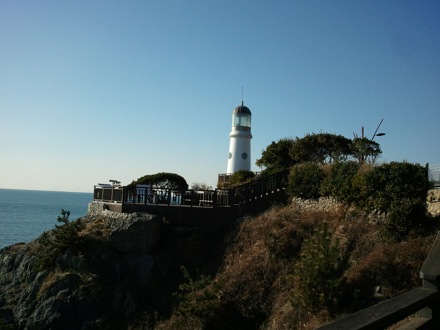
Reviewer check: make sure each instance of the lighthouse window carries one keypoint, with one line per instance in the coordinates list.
(242, 120)
(230, 155)
(237, 121)
(244, 155)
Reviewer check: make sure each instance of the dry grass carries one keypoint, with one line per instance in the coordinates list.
(95, 229)
(257, 274)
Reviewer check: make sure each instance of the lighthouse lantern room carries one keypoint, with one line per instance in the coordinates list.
(240, 140)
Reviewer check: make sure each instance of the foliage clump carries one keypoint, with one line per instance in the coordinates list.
(163, 180)
(196, 298)
(338, 183)
(305, 180)
(238, 178)
(53, 244)
(319, 275)
(329, 165)
(276, 157)
(200, 186)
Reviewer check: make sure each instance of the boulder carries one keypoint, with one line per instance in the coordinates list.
(433, 201)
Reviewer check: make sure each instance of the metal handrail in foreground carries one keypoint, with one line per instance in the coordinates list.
(387, 313)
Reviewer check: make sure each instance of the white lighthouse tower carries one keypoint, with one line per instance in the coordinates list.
(240, 140)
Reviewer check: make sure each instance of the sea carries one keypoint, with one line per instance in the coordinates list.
(26, 214)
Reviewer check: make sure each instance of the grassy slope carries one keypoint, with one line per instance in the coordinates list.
(256, 287)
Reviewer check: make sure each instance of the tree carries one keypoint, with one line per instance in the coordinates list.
(276, 156)
(320, 148)
(365, 150)
(163, 180)
(200, 186)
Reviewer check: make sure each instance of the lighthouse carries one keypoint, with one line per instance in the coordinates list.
(240, 140)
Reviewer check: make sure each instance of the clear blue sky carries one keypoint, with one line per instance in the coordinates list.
(99, 90)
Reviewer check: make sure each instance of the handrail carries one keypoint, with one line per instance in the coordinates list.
(387, 313)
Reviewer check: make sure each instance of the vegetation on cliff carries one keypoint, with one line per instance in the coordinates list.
(287, 268)
(292, 269)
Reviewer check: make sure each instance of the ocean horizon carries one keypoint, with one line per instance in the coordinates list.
(26, 214)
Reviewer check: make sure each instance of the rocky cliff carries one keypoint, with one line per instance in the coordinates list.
(101, 284)
(121, 268)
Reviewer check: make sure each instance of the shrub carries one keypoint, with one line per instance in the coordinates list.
(339, 182)
(400, 190)
(198, 299)
(394, 181)
(305, 180)
(318, 276)
(242, 176)
(360, 191)
(404, 215)
(51, 245)
(394, 268)
(238, 178)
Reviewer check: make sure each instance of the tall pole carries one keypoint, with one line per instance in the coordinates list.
(375, 132)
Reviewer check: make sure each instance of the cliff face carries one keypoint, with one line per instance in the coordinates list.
(127, 267)
(99, 285)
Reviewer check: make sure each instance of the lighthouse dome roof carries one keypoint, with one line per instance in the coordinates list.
(241, 110)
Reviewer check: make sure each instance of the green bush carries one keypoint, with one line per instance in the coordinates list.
(360, 191)
(52, 244)
(398, 189)
(395, 181)
(197, 298)
(305, 180)
(404, 216)
(339, 182)
(237, 179)
(318, 276)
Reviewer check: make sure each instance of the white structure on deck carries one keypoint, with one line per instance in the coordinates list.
(240, 140)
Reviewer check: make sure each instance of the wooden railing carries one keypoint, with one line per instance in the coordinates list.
(424, 301)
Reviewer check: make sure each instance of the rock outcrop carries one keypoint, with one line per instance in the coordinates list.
(100, 284)
(433, 200)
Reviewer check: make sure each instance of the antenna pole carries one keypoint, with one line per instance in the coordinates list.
(242, 95)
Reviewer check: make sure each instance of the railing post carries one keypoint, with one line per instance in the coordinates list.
(430, 274)
(214, 198)
(231, 196)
